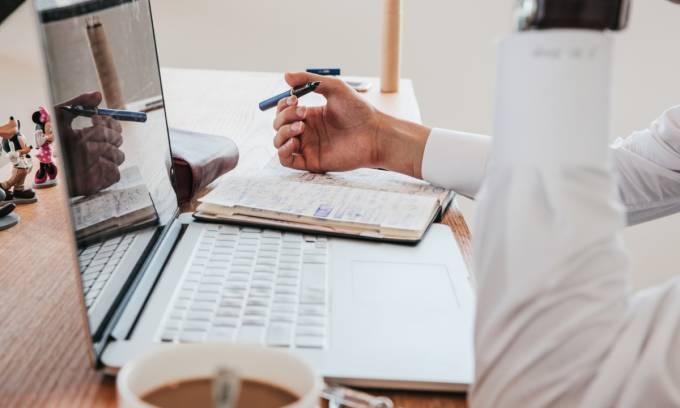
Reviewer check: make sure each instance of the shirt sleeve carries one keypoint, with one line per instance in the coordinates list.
(555, 322)
(646, 164)
(456, 160)
(648, 169)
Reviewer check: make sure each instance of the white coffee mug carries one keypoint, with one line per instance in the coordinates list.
(182, 362)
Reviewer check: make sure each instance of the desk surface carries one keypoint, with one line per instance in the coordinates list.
(44, 360)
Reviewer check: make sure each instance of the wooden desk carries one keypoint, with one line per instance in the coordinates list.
(44, 360)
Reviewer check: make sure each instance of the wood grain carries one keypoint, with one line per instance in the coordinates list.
(44, 360)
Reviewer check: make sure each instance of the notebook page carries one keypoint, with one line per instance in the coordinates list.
(368, 179)
(327, 202)
(125, 197)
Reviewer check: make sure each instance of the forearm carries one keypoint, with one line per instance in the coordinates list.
(451, 159)
(400, 145)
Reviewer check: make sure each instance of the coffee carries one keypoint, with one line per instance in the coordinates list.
(198, 394)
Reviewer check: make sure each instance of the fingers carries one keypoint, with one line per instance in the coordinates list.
(108, 122)
(289, 115)
(327, 86)
(102, 134)
(100, 175)
(286, 132)
(286, 102)
(289, 156)
(106, 151)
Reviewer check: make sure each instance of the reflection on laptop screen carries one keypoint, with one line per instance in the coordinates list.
(102, 53)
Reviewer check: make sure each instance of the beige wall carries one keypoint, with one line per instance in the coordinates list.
(448, 52)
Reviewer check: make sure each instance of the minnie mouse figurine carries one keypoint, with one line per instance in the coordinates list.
(46, 176)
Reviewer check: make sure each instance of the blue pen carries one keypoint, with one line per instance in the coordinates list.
(324, 71)
(128, 116)
(299, 91)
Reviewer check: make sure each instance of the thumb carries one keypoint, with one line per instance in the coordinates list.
(86, 100)
(327, 86)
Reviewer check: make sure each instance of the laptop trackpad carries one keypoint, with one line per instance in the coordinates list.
(400, 319)
(412, 289)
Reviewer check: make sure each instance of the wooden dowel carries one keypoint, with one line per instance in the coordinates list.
(391, 58)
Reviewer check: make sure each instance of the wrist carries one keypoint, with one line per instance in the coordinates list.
(400, 145)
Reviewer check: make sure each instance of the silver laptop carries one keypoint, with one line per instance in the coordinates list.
(362, 313)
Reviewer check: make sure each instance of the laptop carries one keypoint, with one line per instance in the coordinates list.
(362, 313)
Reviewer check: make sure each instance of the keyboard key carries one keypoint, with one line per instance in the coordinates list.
(256, 311)
(202, 306)
(172, 324)
(251, 334)
(285, 299)
(221, 334)
(279, 335)
(258, 302)
(314, 259)
(284, 307)
(231, 302)
(199, 316)
(282, 317)
(310, 331)
(313, 277)
(260, 284)
(309, 342)
(191, 337)
(311, 321)
(225, 322)
(286, 281)
(169, 335)
(199, 326)
(228, 312)
(312, 310)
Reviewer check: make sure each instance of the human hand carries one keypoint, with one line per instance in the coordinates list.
(340, 136)
(92, 153)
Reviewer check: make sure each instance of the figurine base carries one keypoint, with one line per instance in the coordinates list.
(9, 221)
(46, 184)
(20, 201)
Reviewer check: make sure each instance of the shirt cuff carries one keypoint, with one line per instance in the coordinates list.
(456, 160)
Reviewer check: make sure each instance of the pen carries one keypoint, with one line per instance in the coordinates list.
(299, 91)
(117, 114)
(324, 71)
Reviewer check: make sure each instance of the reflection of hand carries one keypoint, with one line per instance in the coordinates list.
(93, 152)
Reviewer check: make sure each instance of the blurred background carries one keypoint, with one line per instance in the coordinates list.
(448, 52)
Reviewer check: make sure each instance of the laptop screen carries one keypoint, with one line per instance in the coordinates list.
(102, 54)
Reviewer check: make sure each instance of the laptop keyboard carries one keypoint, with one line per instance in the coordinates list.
(251, 285)
(98, 262)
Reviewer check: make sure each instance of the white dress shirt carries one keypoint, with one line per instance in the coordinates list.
(557, 324)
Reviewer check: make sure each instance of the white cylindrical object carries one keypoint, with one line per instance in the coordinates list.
(553, 82)
(391, 43)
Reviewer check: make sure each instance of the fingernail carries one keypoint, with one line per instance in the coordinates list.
(291, 100)
(301, 110)
(297, 126)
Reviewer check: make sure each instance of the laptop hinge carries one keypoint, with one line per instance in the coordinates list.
(152, 270)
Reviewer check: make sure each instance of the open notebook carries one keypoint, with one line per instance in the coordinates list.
(364, 203)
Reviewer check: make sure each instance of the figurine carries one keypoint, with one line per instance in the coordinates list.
(17, 149)
(46, 176)
(7, 219)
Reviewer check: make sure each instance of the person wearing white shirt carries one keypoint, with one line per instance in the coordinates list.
(557, 323)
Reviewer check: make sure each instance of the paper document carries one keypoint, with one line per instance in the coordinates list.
(327, 202)
(128, 196)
